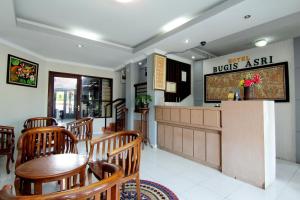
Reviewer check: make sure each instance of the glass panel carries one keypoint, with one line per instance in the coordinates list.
(65, 98)
(106, 90)
(90, 97)
(108, 109)
(94, 91)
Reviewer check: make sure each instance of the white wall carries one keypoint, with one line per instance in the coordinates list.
(17, 103)
(284, 112)
(297, 95)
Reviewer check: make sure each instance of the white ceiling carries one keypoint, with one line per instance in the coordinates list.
(127, 31)
(128, 24)
(280, 29)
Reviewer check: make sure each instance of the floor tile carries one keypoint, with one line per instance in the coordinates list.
(222, 185)
(201, 193)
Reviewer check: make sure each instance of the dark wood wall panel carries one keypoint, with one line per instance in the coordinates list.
(174, 74)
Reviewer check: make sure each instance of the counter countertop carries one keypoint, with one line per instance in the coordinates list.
(190, 107)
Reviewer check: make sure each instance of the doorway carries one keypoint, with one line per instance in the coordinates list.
(72, 96)
(64, 96)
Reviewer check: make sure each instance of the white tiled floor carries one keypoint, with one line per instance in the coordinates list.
(193, 181)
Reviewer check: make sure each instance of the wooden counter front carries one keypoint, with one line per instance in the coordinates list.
(191, 132)
(248, 141)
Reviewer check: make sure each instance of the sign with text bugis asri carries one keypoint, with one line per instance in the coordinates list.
(242, 62)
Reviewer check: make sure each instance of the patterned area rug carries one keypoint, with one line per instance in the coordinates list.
(149, 191)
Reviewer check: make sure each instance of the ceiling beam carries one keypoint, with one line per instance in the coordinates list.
(197, 19)
(43, 28)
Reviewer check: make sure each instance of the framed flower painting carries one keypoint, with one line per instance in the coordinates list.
(21, 72)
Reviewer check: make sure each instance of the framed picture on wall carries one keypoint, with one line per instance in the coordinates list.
(159, 76)
(21, 72)
(274, 85)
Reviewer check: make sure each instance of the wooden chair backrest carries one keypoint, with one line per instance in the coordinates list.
(121, 148)
(40, 122)
(7, 137)
(82, 128)
(109, 185)
(37, 142)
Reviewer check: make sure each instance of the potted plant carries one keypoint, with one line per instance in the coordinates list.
(143, 100)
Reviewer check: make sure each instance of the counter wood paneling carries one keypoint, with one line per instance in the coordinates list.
(169, 137)
(199, 145)
(177, 140)
(191, 132)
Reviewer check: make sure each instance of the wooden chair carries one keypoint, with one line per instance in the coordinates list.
(82, 129)
(38, 122)
(121, 148)
(108, 188)
(38, 142)
(7, 144)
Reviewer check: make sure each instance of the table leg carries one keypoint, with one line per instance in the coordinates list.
(38, 189)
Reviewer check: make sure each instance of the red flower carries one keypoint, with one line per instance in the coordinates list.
(248, 83)
(256, 79)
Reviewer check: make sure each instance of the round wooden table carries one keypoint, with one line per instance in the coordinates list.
(52, 168)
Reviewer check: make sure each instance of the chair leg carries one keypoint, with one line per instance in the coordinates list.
(7, 163)
(138, 187)
(18, 187)
(90, 177)
(86, 145)
(123, 187)
(12, 155)
(22, 187)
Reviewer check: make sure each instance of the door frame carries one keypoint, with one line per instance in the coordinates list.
(53, 74)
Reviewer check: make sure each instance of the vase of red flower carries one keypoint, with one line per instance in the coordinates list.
(248, 83)
(247, 93)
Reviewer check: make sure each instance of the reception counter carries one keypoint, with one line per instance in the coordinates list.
(191, 132)
(238, 138)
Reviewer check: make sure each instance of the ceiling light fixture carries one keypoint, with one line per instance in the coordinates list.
(79, 45)
(247, 16)
(86, 34)
(123, 1)
(140, 63)
(187, 41)
(193, 57)
(261, 43)
(174, 24)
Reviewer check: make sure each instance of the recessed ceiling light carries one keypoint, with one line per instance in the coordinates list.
(247, 16)
(186, 41)
(140, 63)
(193, 57)
(261, 43)
(174, 24)
(124, 1)
(79, 45)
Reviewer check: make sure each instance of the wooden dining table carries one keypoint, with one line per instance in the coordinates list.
(52, 168)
